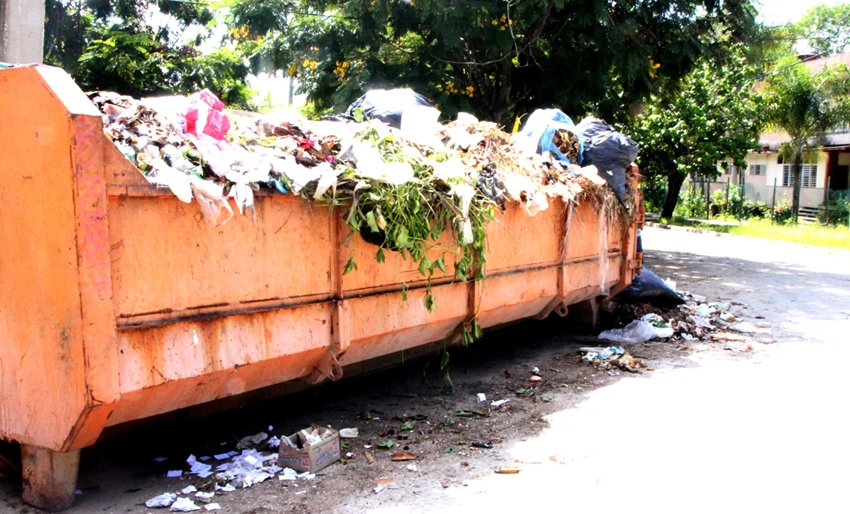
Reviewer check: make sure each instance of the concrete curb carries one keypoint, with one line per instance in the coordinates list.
(688, 229)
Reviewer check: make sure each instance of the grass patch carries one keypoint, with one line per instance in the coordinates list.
(815, 235)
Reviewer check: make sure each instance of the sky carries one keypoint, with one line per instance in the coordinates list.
(775, 12)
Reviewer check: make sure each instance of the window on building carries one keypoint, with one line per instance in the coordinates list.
(757, 169)
(809, 176)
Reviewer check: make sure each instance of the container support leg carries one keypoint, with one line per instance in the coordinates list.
(49, 477)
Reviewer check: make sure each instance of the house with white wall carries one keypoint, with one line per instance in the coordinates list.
(767, 178)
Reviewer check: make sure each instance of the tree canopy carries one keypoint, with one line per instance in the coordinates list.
(714, 116)
(827, 28)
(494, 58)
(116, 45)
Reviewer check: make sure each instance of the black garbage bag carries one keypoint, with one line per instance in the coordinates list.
(386, 105)
(648, 288)
(610, 151)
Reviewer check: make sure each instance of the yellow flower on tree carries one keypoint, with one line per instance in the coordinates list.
(652, 67)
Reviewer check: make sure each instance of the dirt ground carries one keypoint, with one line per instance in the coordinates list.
(748, 421)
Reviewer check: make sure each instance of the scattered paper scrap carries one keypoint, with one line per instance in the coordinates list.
(163, 500)
(184, 505)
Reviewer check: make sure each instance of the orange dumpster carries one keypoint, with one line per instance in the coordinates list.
(118, 302)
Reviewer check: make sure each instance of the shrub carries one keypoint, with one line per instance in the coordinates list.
(691, 204)
(836, 210)
(782, 212)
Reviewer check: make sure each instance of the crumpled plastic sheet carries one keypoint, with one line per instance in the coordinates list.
(662, 328)
(327, 178)
(210, 197)
(177, 182)
(244, 197)
(184, 505)
(637, 331)
(163, 500)
(370, 164)
(464, 194)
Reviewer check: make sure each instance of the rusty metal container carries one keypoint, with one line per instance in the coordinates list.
(119, 303)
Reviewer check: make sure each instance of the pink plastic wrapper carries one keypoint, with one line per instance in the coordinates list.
(205, 116)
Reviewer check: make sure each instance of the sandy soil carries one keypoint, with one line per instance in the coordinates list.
(744, 423)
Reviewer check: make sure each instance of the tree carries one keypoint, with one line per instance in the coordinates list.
(113, 45)
(713, 116)
(495, 58)
(826, 28)
(806, 105)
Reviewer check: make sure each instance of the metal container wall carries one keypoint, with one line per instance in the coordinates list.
(119, 303)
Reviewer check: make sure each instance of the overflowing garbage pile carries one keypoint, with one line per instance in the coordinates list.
(694, 319)
(396, 186)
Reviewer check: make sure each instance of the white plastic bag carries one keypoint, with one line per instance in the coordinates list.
(637, 331)
(210, 197)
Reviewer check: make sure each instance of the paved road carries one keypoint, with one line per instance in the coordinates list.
(764, 433)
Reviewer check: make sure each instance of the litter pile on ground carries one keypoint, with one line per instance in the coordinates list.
(217, 475)
(695, 319)
(612, 357)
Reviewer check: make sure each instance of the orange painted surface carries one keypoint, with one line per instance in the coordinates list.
(118, 302)
(42, 357)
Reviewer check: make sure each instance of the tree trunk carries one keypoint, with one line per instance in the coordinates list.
(798, 175)
(675, 179)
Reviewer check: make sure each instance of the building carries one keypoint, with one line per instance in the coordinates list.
(767, 177)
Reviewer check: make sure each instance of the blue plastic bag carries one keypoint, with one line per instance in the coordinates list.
(537, 135)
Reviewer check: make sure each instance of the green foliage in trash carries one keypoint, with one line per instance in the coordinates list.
(386, 445)
(411, 218)
(451, 450)
(408, 425)
(448, 422)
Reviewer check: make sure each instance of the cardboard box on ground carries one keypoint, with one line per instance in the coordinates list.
(310, 449)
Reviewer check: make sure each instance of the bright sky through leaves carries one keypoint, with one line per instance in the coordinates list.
(775, 12)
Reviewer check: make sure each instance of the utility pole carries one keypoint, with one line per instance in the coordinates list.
(22, 31)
